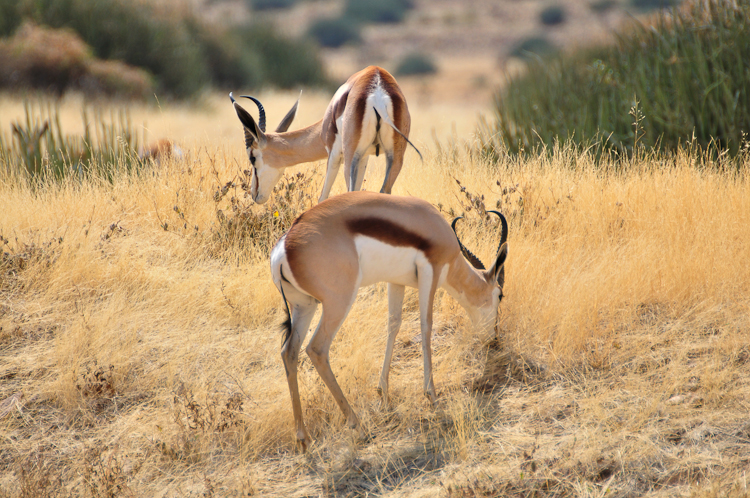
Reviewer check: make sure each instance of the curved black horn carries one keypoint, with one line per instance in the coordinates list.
(261, 112)
(504, 223)
(231, 97)
(475, 262)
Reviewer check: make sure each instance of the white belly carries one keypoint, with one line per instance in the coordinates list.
(380, 262)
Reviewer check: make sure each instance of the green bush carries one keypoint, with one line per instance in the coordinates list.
(334, 32)
(58, 60)
(133, 33)
(10, 17)
(270, 4)
(646, 5)
(183, 53)
(552, 15)
(684, 76)
(416, 64)
(601, 6)
(380, 11)
(284, 63)
(534, 47)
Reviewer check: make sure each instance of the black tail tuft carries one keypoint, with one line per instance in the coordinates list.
(286, 328)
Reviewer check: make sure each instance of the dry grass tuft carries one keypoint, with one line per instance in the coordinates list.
(139, 341)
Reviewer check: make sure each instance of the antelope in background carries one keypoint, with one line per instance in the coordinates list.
(351, 128)
(160, 150)
(361, 238)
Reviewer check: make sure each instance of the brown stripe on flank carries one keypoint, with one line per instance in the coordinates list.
(389, 232)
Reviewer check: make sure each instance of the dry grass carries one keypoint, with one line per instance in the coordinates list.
(139, 361)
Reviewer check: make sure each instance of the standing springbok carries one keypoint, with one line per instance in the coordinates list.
(351, 127)
(360, 238)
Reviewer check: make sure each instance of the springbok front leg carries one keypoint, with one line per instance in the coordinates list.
(395, 306)
(302, 315)
(334, 313)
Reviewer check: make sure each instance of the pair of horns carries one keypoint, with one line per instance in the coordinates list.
(475, 262)
(261, 111)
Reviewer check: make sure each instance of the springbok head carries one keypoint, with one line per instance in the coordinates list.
(267, 159)
(485, 312)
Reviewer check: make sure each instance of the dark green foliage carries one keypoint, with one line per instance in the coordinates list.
(56, 61)
(183, 53)
(414, 64)
(645, 5)
(552, 15)
(334, 33)
(381, 11)
(286, 63)
(132, 33)
(601, 6)
(10, 17)
(270, 4)
(534, 47)
(686, 76)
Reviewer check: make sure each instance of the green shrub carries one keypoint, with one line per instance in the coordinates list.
(133, 33)
(10, 17)
(380, 11)
(646, 5)
(58, 60)
(270, 4)
(334, 32)
(552, 15)
(601, 6)
(183, 53)
(415, 64)
(686, 74)
(284, 63)
(536, 46)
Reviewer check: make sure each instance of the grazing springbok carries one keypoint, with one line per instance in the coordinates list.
(160, 150)
(360, 238)
(351, 128)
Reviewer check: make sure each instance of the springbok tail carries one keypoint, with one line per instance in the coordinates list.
(390, 123)
(286, 325)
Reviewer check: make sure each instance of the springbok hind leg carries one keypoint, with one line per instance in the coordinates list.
(427, 281)
(318, 349)
(395, 307)
(302, 315)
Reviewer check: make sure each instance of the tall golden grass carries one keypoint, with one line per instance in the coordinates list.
(139, 360)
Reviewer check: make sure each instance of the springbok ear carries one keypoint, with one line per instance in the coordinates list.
(43, 130)
(497, 272)
(252, 131)
(287, 121)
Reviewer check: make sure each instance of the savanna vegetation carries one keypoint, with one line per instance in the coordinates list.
(139, 327)
(169, 49)
(682, 71)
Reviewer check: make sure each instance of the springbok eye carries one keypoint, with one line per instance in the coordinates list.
(252, 159)
(500, 297)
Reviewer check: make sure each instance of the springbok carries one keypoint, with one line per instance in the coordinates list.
(360, 238)
(160, 150)
(351, 127)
